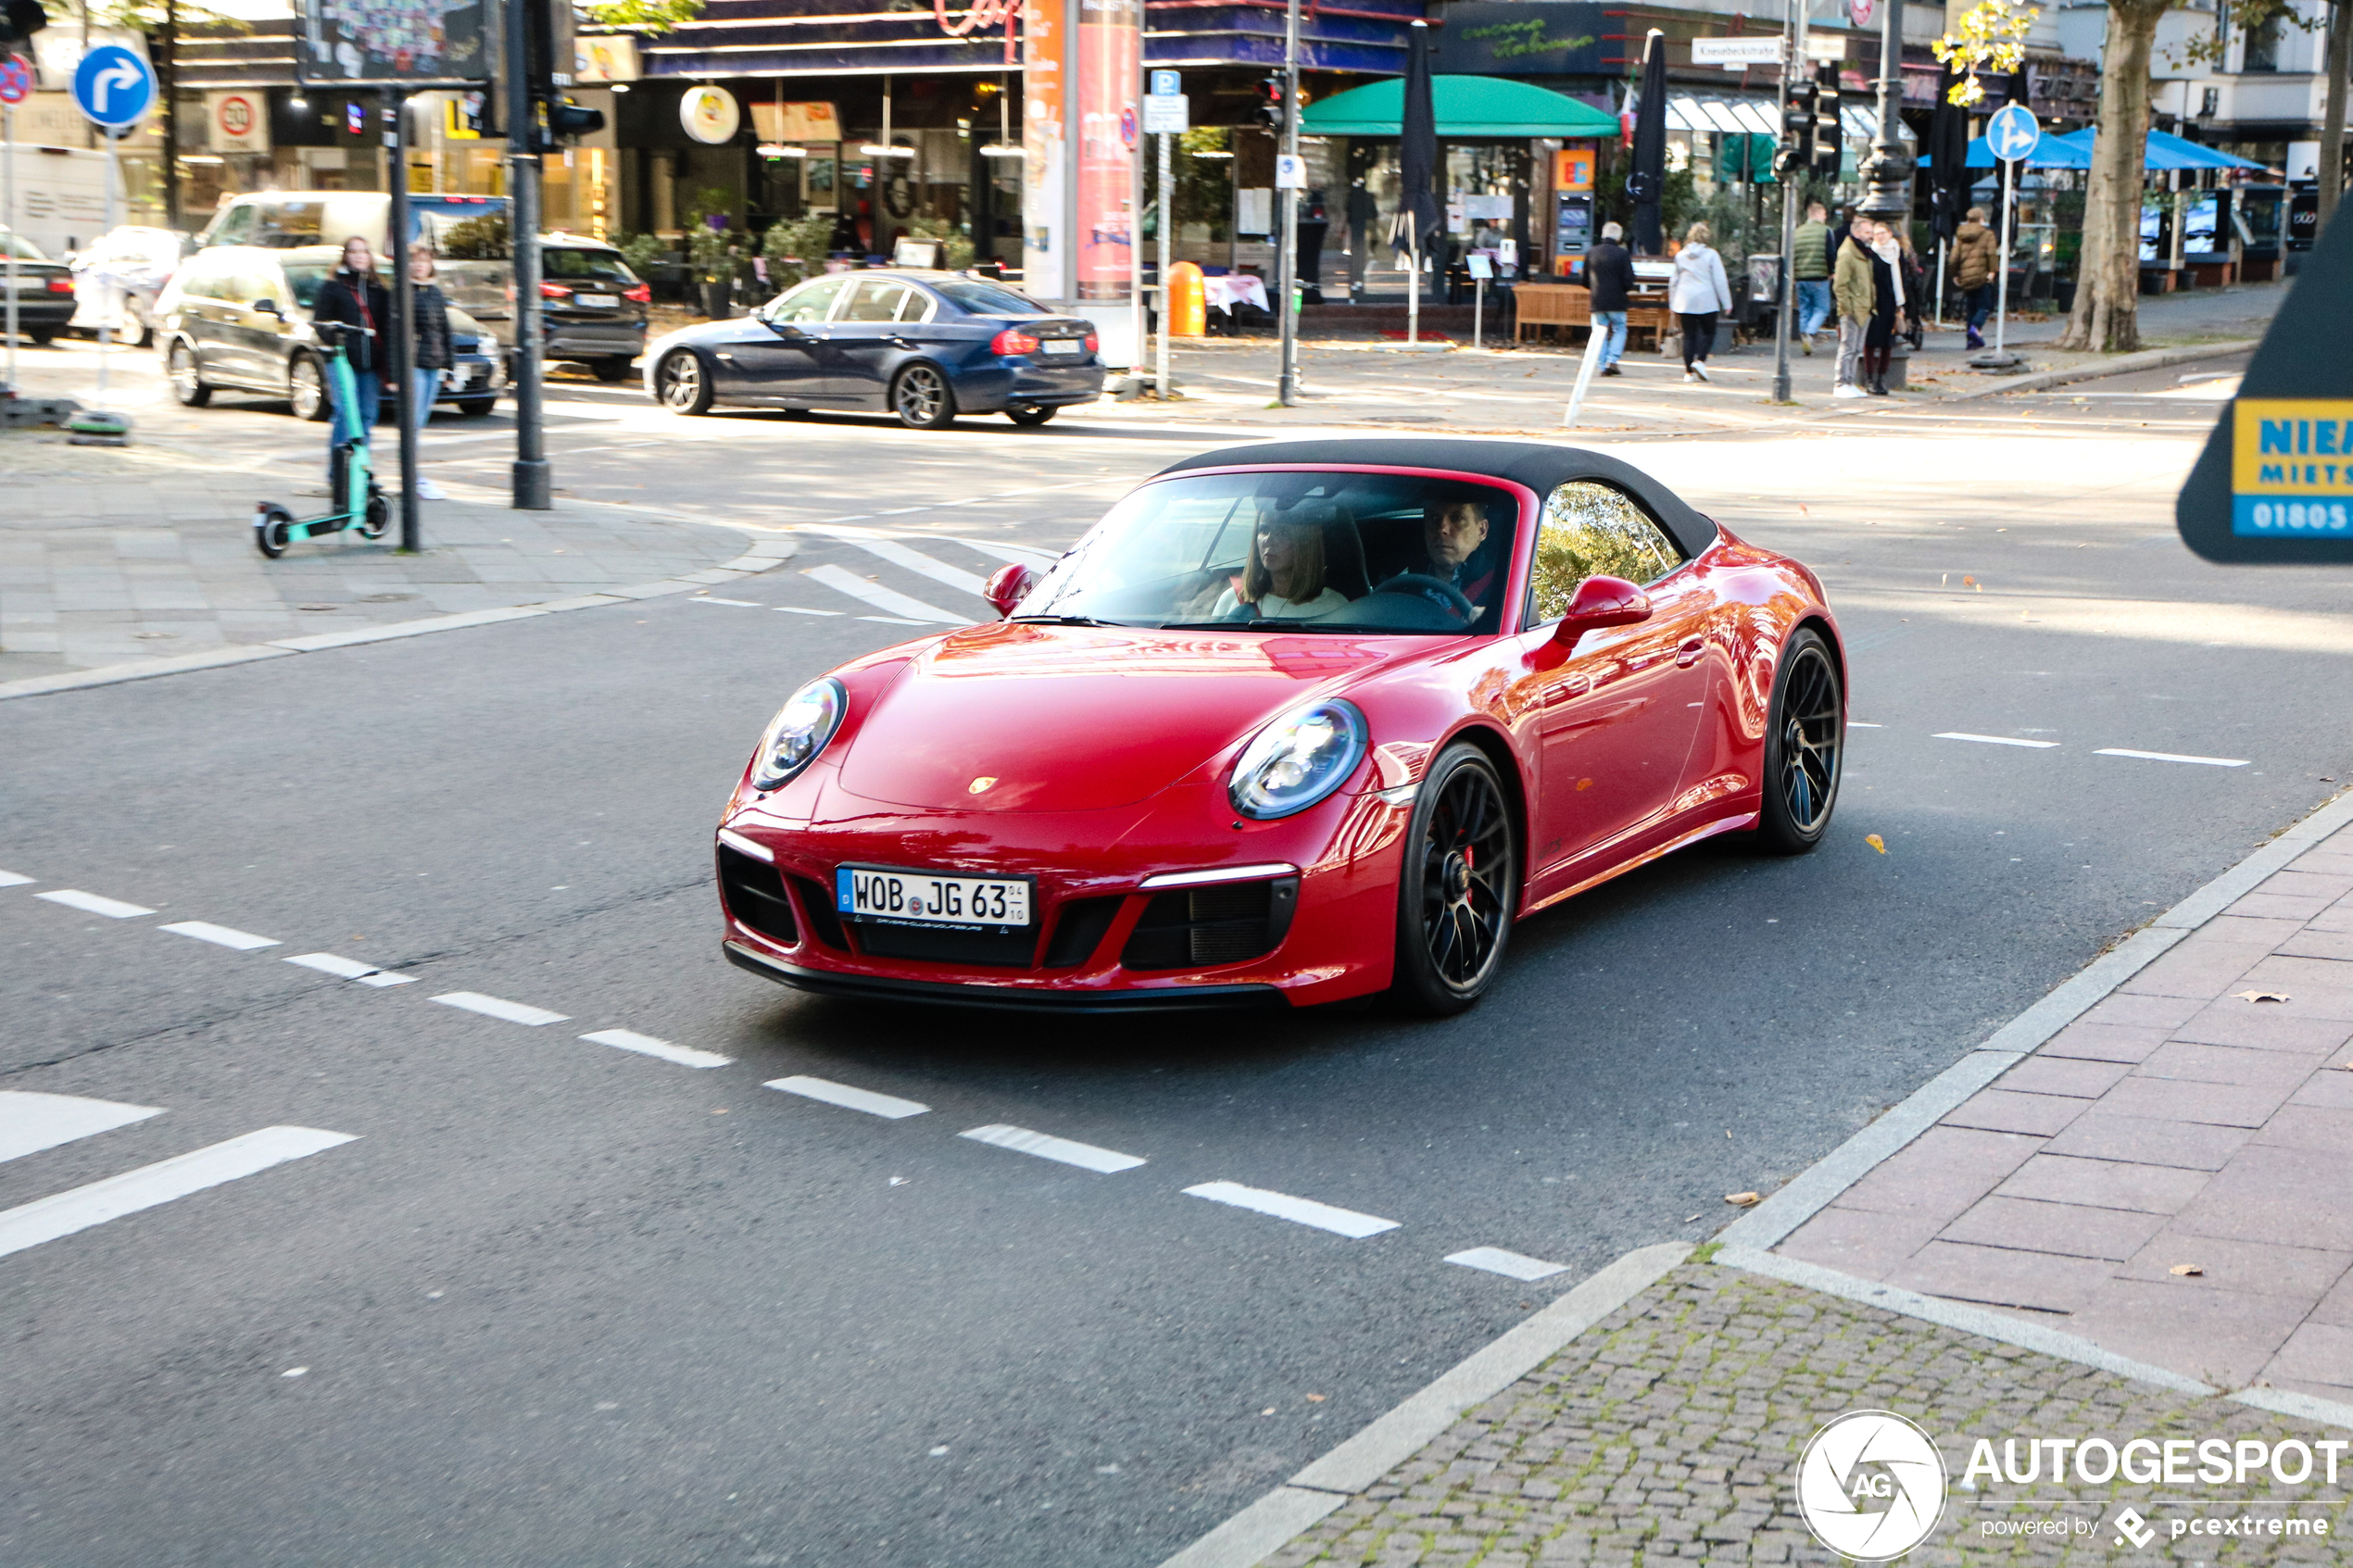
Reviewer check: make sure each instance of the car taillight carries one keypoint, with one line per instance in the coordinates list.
(1012, 340)
(642, 295)
(554, 291)
(1093, 343)
(61, 285)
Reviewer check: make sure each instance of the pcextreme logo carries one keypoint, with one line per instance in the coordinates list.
(1870, 1485)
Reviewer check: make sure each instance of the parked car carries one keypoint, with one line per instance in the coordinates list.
(592, 306)
(117, 280)
(237, 318)
(43, 290)
(924, 345)
(475, 267)
(1292, 723)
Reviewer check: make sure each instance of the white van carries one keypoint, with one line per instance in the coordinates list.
(475, 265)
(61, 198)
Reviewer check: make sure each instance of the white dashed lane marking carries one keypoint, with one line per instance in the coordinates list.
(46, 1218)
(849, 1099)
(497, 1006)
(1087, 1157)
(739, 604)
(2174, 757)
(646, 1045)
(1515, 1266)
(1999, 740)
(891, 602)
(31, 1123)
(10, 879)
(113, 908)
(796, 609)
(1300, 1211)
(350, 969)
(220, 935)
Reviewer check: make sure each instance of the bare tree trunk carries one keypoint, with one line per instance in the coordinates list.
(2333, 121)
(2107, 280)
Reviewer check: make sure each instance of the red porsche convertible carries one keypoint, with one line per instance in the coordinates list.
(1292, 723)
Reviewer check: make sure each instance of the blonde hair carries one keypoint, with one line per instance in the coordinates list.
(1307, 557)
(1699, 234)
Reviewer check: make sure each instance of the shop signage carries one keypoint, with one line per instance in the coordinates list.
(796, 122)
(239, 121)
(1521, 38)
(710, 115)
(604, 58)
(981, 13)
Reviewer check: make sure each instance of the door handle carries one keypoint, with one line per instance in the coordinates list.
(1688, 654)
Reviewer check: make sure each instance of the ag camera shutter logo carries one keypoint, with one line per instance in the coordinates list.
(1870, 1485)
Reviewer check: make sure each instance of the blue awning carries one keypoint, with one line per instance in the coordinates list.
(2166, 151)
(2051, 152)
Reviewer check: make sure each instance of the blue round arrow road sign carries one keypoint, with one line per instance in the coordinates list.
(113, 86)
(2012, 133)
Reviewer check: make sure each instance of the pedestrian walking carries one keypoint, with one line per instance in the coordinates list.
(1609, 278)
(356, 298)
(1810, 266)
(1698, 294)
(1976, 262)
(1851, 290)
(1887, 309)
(430, 310)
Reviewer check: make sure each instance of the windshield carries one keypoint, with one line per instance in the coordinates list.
(460, 229)
(1309, 552)
(985, 300)
(20, 247)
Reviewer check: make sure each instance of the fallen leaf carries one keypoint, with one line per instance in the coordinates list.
(2263, 996)
(1315, 1398)
(1968, 581)
(1802, 511)
(1268, 1410)
(2186, 1269)
(1744, 1199)
(1689, 1221)
(1876, 842)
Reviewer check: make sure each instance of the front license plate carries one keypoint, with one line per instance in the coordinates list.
(596, 301)
(900, 897)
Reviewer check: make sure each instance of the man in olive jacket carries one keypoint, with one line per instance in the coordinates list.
(1976, 260)
(1851, 288)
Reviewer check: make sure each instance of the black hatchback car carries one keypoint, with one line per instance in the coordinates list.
(591, 306)
(44, 289)
(924, 345)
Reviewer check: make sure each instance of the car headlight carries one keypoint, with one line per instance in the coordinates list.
(1298, 759)
(798, 732)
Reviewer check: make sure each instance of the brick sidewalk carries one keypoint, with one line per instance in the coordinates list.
(1670, 1431)
(2175, 1125)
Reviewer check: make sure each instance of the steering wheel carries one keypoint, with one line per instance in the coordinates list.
(1441, 595)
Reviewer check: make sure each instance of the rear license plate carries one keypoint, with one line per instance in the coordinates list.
(596, 301)
(1061, 347)
(904, 898)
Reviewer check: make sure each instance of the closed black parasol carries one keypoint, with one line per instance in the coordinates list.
(1646, 180)
(1419, 223)
(1947, 151)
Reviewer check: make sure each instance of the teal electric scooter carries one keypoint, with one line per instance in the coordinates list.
(351, 485)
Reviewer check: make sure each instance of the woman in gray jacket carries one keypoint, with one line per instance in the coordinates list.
(1698, 293)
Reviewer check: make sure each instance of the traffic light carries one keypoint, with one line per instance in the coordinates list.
(1270, 107)
(1797, 131)
(1829, 131)
(20, 19)
(562, 120)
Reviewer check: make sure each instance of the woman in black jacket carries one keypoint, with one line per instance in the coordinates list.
(354, 298)
(430, 308)
(1887, 309)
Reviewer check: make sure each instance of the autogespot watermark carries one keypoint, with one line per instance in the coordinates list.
(1871, 1487)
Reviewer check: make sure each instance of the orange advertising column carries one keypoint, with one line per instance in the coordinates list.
(1188, 302)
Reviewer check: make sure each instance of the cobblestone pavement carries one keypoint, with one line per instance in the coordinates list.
(1670, 1432)
(110, 555)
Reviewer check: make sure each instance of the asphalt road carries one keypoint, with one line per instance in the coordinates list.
(559, 1302)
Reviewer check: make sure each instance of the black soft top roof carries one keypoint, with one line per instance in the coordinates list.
(1535, 464)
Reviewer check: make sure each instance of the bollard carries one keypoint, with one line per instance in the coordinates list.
(1188, 308)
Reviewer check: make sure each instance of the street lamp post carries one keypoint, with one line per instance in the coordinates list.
(1888, 171)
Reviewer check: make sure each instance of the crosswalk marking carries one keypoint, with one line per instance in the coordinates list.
(31, 1123)
(78, 1208)
(499, 1007)
(1998, 740)
(1086, 1156)
(882, 598)
(646, 1045)
(2174, 757)
(1511, 1265)
(350, 969)
(1300, 1211)
(848, 1098)
(113, 908)
(922, 565)
(223, 935)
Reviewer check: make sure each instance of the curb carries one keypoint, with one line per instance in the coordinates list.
(761, 554)
(2124, 364)
(1246, 1538)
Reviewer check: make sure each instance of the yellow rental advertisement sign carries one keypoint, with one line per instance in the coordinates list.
(2291, 468)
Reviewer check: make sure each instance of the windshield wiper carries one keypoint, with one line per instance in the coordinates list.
(1061, 620)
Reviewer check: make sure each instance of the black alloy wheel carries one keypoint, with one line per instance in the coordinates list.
(921, 398)
(1803, 741)
(306, 388)
(1459, 888)
(1030, 414)
(187, 379)
(680, 384)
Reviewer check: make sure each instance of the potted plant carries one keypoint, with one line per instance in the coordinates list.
(710, 255)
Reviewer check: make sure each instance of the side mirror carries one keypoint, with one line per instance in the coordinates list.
(1008, 586)
(267, 307)
(1600, 601)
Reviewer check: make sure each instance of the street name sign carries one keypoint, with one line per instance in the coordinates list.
(1762, 51)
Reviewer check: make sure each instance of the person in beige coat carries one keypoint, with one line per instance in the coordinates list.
(1976, 261)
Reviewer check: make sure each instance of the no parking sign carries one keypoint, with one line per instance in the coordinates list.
(16, 79)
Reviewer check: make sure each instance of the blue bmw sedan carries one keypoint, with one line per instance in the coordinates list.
(924, 345)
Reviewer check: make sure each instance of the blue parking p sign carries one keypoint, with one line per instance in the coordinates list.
(113, 86)
(1166, 84)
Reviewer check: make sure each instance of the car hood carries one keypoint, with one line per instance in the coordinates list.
(1078, 719)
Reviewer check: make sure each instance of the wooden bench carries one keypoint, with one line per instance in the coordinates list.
(1565, 305)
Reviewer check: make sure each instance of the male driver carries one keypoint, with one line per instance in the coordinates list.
(1609, 278)
(1453, 534)
(1810, 266)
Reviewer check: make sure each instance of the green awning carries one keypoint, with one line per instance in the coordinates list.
(1467, 107)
